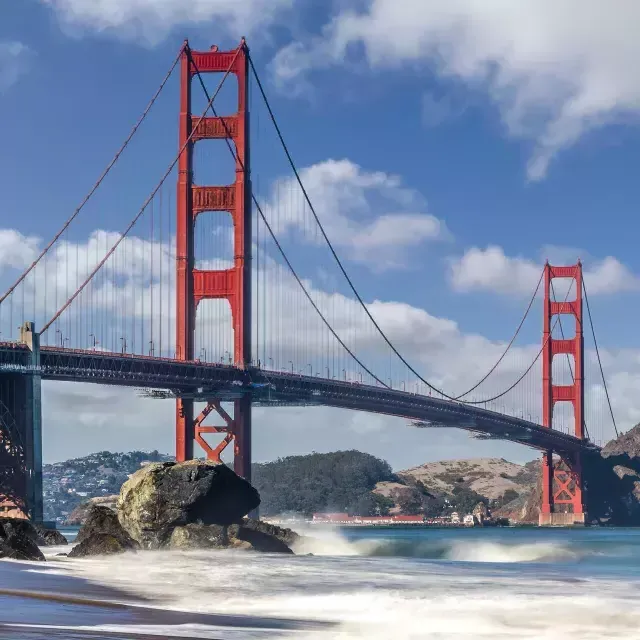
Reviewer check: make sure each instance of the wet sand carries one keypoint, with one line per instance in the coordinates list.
(36, 603)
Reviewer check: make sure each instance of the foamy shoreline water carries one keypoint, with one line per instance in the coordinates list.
(400, 585)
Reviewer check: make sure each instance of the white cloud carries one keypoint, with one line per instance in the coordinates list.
(153, 19)
(14, 62)
(16, 251)
(555, 70)
(353, 205)
(492, 270)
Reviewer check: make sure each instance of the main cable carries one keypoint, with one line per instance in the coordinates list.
(595, 341)
(272, 234)
(100, 180)
(346, 275)
(147, 201)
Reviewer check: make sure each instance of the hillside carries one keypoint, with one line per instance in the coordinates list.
(343, 481)
(67, 484)
(490, 477)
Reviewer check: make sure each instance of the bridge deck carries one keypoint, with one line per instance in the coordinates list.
(201, 380)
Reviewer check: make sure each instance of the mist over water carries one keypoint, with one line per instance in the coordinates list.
(387, 583)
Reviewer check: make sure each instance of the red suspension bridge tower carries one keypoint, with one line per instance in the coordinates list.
(562, 482)
(233, 284)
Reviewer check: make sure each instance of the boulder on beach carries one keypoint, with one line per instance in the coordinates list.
(165, 495)
(101, 534)
(18, 540)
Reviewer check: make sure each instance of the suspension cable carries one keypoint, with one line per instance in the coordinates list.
(595, 341)
(147, 201)
(273, 236)
(100, 180)
(342, 268)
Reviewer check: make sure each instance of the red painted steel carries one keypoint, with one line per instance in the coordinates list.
(234, 284)
(562, 480)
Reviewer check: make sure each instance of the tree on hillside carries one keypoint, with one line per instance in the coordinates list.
(339, 481)
(409, 501)
(464, 500)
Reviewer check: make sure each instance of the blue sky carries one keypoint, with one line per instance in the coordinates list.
(513, 129)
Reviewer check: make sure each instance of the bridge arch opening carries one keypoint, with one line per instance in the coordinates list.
(563, 368)
(213, 239)
(563, 326)
(214, 332)
(225, 103)
(213, 163)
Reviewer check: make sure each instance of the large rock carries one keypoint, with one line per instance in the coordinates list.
(261, 536)
(199, 536)
(162, 496)
(100, 544)
(18, 540)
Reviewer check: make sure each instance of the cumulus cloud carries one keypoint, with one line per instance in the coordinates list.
(153, 19)
(372, 214)
(554, 70)
(15, 58)
(492, 270)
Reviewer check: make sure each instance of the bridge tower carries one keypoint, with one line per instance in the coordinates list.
(233, 284)
(562, 483)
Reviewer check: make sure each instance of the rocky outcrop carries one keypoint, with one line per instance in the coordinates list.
(189, 505)
(261, 536)
(163, 496)
(79, 514)
(18, 540)
(625, 446)
(101, 534)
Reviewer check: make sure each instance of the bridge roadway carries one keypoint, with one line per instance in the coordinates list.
(202, 381)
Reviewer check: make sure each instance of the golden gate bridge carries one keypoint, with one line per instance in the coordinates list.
(207, 297)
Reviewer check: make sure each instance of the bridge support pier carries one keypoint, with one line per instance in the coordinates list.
(562, 492)
(21, 436)
(562, 483)
(236, 429)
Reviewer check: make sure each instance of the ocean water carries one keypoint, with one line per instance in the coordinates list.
(378, 584)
